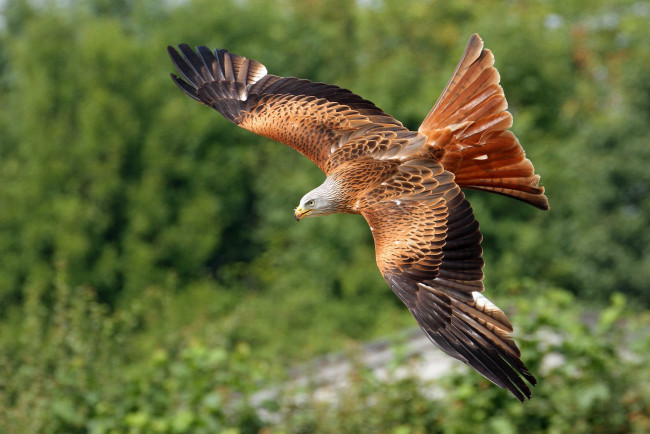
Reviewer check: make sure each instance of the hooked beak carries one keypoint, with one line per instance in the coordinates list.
(299, 213)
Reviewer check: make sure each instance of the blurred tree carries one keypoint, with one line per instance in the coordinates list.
(107, 168)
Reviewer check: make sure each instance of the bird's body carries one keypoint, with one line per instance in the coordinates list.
(407, 184)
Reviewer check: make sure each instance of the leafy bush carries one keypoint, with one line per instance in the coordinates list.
(592, 378)
(78, 369)
(82, 368)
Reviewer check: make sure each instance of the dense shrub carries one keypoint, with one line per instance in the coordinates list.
(84, 369)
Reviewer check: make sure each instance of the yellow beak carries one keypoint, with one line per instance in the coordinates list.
(299, 213)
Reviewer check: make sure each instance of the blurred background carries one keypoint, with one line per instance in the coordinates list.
(153, 279)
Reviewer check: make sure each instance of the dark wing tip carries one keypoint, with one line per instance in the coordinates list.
(183, 66)
(186, 88)
(464, 334)
(217, 79)
(466, 339)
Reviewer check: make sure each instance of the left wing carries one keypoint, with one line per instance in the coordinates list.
(428, 248)
(313, 118)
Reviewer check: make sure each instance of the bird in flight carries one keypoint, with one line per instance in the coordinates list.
(407, 184)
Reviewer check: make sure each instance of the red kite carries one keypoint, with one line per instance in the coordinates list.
(407, 184)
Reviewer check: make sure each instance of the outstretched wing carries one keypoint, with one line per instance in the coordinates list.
(313, 118)
(427, 244)
(468, 130)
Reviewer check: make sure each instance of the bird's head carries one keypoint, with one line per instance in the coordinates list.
(318, 202)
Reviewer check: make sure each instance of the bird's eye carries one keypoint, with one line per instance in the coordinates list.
(310, 203)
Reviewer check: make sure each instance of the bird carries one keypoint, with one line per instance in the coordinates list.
(408, 185)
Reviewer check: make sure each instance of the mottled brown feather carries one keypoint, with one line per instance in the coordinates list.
(468, 131)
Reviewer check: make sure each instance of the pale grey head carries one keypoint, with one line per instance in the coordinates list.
(323, 200)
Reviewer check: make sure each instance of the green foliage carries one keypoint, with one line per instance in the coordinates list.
(152, 275)
(81, 368)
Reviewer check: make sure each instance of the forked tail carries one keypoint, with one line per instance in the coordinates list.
(467, 130)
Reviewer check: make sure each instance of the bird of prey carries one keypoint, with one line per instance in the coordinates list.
(407, 184)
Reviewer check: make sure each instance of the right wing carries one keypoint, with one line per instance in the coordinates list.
(468, 126)
(313, 118)
(428, 248)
